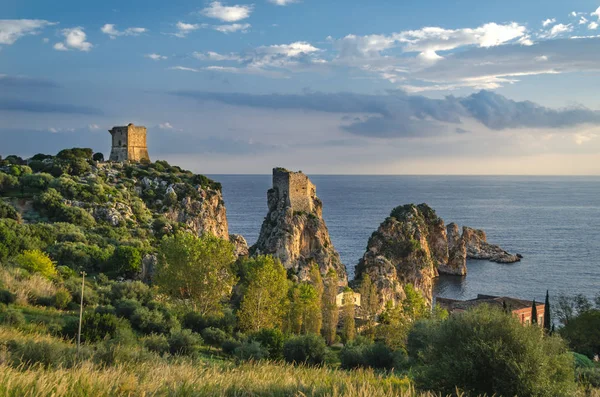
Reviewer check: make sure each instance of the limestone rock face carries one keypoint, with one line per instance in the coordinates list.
(478, 247)
(407, 248)
(204, 214)
(294, 230)
(240, 244)
(457, 253)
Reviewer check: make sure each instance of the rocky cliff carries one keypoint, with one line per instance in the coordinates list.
(294, 230)
(457, 253)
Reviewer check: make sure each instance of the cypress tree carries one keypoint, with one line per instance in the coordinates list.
(547, 320)
(533, 313)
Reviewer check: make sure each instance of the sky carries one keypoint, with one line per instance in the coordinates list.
(325, 86)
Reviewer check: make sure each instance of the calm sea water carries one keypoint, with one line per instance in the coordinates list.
(554, 222)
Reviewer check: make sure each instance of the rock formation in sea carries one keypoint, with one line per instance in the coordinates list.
(406, 248)
(413, 246)
(240, 244)
(478, 248)
(294, 230)
(457, 253)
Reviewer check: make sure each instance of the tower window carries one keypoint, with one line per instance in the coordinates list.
(119, 143)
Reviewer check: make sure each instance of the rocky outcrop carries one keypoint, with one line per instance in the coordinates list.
(294, 230)
(457, 253)
(240, 244)
(477, 247)
(407, 248)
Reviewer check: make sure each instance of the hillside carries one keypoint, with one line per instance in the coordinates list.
(99, 216)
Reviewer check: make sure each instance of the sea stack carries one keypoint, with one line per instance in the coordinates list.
(294, 230)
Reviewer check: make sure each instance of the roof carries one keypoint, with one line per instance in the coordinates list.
(499, 301)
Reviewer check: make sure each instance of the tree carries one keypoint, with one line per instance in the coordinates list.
(196, 269)
(534, 313)
(305, 309)
(264, 293)
(329, 307)
(583, 333)
(127, 260)
(98, 157)
(567, 307)
(35, 261)
(547, 317)
(369, 302)
(348, 324)
(487, 352)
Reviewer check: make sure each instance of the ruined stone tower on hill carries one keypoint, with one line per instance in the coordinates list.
(294, 230)
(129, 144)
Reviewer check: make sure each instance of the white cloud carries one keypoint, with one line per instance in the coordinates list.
(183, 29)
(541, 58)
(242, 27)
(573, 14)
(46, 40)
(156, 57)
(596, 13)
(593, 25)
(581, 138)
(548, 21)
(94, 127)
(165, 126)
(12, 30)
(75, 38)
(111, 30)
(283, 2)
(227, 13)
(583, 20)
(557, 30)
(214, 56)
(183, 68)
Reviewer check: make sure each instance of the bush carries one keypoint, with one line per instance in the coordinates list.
(126, 260)
(7, 297)
(197, 322)
(156, 343)
(582, 361)
(250, 350)
(62, 298)
(305, 349)
(35, 261)
(94, 326)
(230, 345)
(151, 321)
(14, 318)
(8, 211)
(98, 157)
(46, 354)
(485, 351)
(126, 307)
(589, 377)
(583, 333)
(131, 290)
(213, 336)
(272, 340)
(184, 342)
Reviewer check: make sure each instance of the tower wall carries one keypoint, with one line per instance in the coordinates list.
(298, 189)
(129, 144)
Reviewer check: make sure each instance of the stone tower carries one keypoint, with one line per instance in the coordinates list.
(129, 144)
(298, 190)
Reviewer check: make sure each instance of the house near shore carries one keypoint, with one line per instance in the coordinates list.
(519, 308)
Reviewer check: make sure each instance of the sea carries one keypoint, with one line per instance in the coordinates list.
(554, 222)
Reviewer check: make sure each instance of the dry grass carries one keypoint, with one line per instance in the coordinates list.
(27, 287)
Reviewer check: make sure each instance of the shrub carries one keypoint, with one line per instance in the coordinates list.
(98, 157)
(485, 351)
(589, 377)
(94, 326)
(307, 349)
(8, 211)
(35, 261)
(151, 321)
(7, 297)
(184, 342)
(131, 290)
(14, 318)
(197, 322)
(156, 343)
(272, 340)
(250, 350)
(126, 260)
(583, 333)
(126, 307)
(582, 361)
(230, 345)
(62, 298)
(214, 336)
(375, 355)
(46, 354)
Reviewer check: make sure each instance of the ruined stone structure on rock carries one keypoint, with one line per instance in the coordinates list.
(299, 191)
(129, 144)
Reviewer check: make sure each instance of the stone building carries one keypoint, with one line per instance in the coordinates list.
(343, 294)
(129, 143)
(522, 309)
(298, 189)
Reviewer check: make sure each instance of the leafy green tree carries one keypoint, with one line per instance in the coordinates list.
(305, 309)
(567, 307)
(126, 260)
(265, 289)
(36, 261)
(369, 302)
(197, 270)
(534, 318)
(486, 351)
(347, 316)
(583, 333)
(330, 309)
(305, 349)
(547, 315)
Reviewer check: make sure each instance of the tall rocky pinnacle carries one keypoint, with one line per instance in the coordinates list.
(407, 248)
(294, 230)
(457, 253)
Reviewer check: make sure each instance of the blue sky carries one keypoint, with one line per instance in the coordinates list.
(355, 86)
